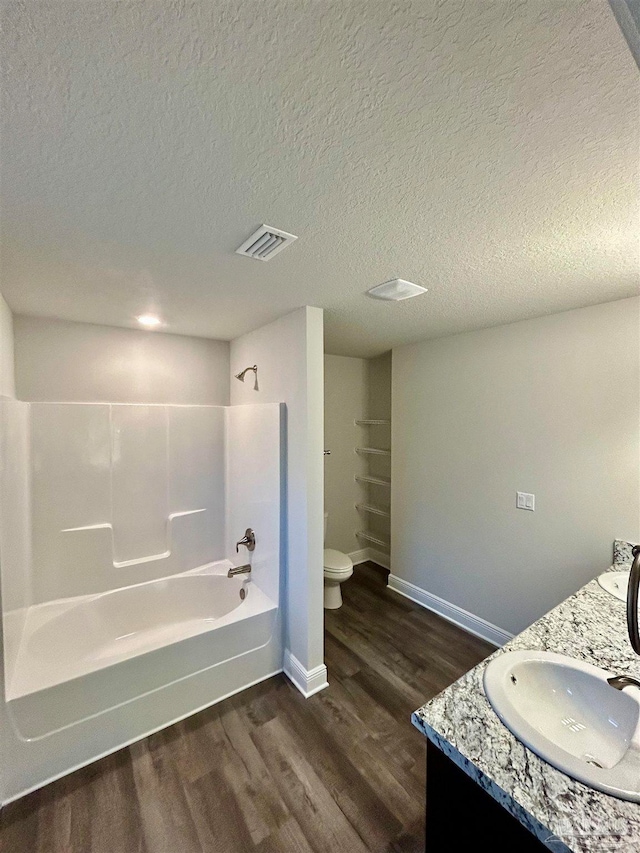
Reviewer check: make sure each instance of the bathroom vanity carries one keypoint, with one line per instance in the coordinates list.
(484, 785)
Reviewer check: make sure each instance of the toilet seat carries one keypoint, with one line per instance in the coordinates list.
(336, 561)
(337, 576)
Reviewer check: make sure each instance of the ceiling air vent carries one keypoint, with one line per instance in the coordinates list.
(265, 243)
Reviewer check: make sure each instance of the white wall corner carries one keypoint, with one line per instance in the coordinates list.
(451, 612)
(7, 362)
(380, 558)
(308, 681)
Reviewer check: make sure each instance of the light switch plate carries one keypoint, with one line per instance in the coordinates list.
(525, 500)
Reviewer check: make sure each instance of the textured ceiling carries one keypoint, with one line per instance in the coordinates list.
(486, 150)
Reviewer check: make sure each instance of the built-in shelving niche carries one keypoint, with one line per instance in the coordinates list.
(375, 510)
(369, 537)
(374, 507)
(377, 481)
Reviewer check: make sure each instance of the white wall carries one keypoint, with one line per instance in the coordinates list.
(7, 375)
(62, 361)
(345, 401)
(548, 406)
(289, 355)
(379, 386)
(18, 554)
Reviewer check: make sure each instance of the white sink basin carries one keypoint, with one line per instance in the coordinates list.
(564, 711)
(616, 583)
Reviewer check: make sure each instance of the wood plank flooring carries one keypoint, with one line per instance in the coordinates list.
(268, 771)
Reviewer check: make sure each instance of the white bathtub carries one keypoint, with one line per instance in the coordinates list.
(77, 656)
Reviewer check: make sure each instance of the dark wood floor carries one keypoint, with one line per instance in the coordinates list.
(268, 771)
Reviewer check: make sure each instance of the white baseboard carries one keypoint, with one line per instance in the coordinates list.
(308, 681)
(360, 556)
(366, 554)
(451, 612)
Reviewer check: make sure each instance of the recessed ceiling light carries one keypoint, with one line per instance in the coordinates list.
(149, 320)
(396, 290)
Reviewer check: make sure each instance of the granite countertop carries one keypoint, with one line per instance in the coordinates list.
(563, 813)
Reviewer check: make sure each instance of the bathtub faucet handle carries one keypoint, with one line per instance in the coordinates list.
(249, 540)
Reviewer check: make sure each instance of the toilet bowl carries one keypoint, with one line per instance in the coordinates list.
(337, 569)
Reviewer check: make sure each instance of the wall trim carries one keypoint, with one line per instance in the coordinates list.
(308, 681)
(360, 556)
(451, 612)
(365, 554)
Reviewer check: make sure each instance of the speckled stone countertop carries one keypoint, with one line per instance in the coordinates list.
(564, 814)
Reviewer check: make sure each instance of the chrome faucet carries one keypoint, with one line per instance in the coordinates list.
(248, 540)
(633, 590)
(622, 681)
(239, 570)
(632, 600)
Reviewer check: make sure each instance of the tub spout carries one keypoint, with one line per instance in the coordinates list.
(239, 570)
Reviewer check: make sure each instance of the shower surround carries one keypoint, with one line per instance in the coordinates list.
(119, 524)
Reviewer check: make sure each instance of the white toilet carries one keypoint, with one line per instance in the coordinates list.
(337, 569)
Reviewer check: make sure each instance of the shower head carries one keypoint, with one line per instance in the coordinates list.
(240, 375)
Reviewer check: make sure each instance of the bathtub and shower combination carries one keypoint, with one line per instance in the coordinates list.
(107, 639)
